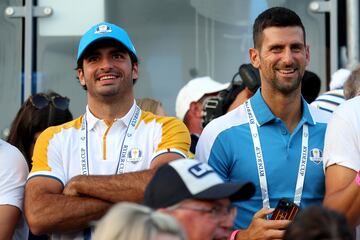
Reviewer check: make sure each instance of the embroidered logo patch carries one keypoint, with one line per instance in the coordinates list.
(316, 155)
(134, 155)
(103, 29)
(199, 170)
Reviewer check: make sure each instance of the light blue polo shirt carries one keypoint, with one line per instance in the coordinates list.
(227, 145)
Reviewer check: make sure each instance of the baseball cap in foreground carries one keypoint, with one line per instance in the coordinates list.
(191, 179)
(193, 91)
(105, 30)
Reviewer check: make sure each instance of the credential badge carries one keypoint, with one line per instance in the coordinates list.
(316, 155)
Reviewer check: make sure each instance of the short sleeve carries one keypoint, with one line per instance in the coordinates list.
(47, 156)
(13, 174)
(342, 138)
(175, 137)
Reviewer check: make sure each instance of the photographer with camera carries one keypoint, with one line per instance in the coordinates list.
(189, 104)
(275, 139)
(243, 86)
(202, 99)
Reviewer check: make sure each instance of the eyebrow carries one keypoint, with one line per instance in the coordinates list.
(277, 45)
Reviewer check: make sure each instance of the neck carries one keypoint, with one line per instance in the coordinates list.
(194, 126)
(286, 107)
(110, 110)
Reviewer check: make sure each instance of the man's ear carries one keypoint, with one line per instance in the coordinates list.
(307, 52)
(80, 73)
(135, 70)
(196, 109)
(254, 57)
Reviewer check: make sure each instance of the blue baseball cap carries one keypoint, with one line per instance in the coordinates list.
(105, 30)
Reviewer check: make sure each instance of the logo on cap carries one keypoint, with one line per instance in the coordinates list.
(316, 155)
(199, 170)
(103, 29)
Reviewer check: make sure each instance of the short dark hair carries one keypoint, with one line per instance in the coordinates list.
(318, 222)
(275, 17)
(30, 120)
(102, 43)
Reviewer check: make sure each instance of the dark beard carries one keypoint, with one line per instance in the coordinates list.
(286, 89)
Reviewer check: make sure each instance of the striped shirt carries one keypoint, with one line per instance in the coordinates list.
(328, 101)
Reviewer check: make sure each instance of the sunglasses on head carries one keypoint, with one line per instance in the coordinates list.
(42, 100)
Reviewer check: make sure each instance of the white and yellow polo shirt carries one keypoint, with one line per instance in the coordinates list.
(57, 151)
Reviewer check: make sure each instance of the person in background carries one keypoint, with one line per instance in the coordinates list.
(189, 104)
(342, 161)
(342, 154)
(151, 105)
(352, 84)
(275, 138)
(330, 100)
(107, 155)
(317, 222)
(37, 113)
(310, 86)
(197, 197)
(13, 174)
(126, 221)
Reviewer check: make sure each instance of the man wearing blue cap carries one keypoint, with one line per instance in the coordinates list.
(108, 154)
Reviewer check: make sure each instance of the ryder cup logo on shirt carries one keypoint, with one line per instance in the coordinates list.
(103, 29)
(134, 155)
(316, 155)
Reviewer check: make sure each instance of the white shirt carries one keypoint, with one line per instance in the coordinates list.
(57, 150)
(13, 174)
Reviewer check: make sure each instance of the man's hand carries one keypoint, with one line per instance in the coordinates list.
(70, 188)
(260, 228)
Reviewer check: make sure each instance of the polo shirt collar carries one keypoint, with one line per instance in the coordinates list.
(263, 113)
(306, 117)
(92, 120)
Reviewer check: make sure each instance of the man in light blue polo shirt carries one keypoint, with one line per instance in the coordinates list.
(275, 139)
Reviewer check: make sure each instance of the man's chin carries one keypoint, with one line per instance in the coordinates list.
(222, 234)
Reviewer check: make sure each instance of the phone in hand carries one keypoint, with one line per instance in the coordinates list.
(285, 210)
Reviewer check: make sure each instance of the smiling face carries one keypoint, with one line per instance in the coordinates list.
(281, 59)
(107, 71)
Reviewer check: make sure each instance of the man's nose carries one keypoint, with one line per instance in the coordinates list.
(288, 57)
(106, 63)
(227, 220)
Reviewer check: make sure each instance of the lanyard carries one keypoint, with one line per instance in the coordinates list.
(260, 160)
(127, 141)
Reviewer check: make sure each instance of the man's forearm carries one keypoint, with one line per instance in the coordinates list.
(116, 188)
(353, 213)
(59, 213)
(8, 219)
(346, 201)
(124, 187)
(341, 200)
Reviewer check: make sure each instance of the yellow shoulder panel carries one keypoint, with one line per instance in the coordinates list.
(174, 132)
(40, 157)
